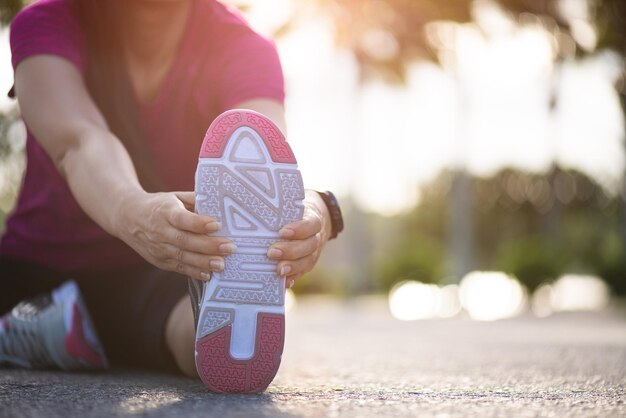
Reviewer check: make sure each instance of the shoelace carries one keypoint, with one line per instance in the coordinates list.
(21, 343)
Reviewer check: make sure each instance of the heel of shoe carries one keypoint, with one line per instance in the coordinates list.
(224, 374)
(77, 346)
(81, 343)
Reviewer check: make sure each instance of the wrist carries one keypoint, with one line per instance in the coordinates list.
(126, 208)
(332, 214)
(322, 211)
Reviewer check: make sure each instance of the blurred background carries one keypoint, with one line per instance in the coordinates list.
(476, 147)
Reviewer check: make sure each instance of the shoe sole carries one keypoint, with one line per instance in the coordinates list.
(248, 179)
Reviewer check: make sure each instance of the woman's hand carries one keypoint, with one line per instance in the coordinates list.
(165, 231)
(306, 239)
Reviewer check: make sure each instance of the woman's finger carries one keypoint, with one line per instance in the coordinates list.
(186, 270)
(200, 261)
(293, 250)
(192, 222)
(198, 243)
(310, 225)
(290, 268)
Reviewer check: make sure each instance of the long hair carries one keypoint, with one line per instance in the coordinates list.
(109, 83)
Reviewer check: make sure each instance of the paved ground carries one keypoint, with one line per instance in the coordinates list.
(353, 359)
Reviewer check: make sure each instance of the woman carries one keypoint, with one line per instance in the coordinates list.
(116, 96)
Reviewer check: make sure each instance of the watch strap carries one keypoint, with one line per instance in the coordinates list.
(336, 218)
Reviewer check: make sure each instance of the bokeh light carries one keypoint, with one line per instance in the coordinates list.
(488, 296)
(449, 301)
(411, 300)
(575, 292)
(571, 293)
(541, 305)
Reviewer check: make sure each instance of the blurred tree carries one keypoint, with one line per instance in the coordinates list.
(387, 36)
(414, 259)
(8, 9)
(419, 249)
(533, 259)
(509, 212)
(606, 17)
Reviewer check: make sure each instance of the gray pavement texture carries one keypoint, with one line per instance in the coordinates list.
(352, 359)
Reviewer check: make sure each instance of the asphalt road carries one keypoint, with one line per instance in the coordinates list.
(353, 359)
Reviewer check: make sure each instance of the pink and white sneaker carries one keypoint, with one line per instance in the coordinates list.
(51, 330)
(248, 179)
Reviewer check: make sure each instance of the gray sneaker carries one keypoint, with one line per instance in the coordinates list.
(51, 330)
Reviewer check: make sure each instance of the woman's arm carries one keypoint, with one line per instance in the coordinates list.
(60, 113)
(306, 238)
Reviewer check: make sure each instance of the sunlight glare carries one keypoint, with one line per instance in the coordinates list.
(540, 302)
(266, 16)
(290, 300)
(589, 125)
(144, 402)
(449, 301)
(412, 300)
(490, 295)
(6, 71)
(379, 142)
(575, 292)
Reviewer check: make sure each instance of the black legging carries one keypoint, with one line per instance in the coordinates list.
(129, 307)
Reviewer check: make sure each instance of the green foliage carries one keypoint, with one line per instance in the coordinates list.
(534, 226)
(608, 17)
(321, 281)
(11, 163)
(4, 127)
(386, 36)
(8, 9)
(532, 259)
(420, 259)
(614, 273)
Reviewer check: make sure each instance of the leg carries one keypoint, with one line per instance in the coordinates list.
(131, 309)
(180, 336)
(141, 314)
(20, 280)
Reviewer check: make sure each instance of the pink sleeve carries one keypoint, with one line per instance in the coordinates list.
(47, 27)
(251, 69)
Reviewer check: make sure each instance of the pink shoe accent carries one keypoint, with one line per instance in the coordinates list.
(225, 124)
(4, 324)
(76, 344)
(224, 374)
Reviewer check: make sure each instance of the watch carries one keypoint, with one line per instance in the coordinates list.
(336, 219)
